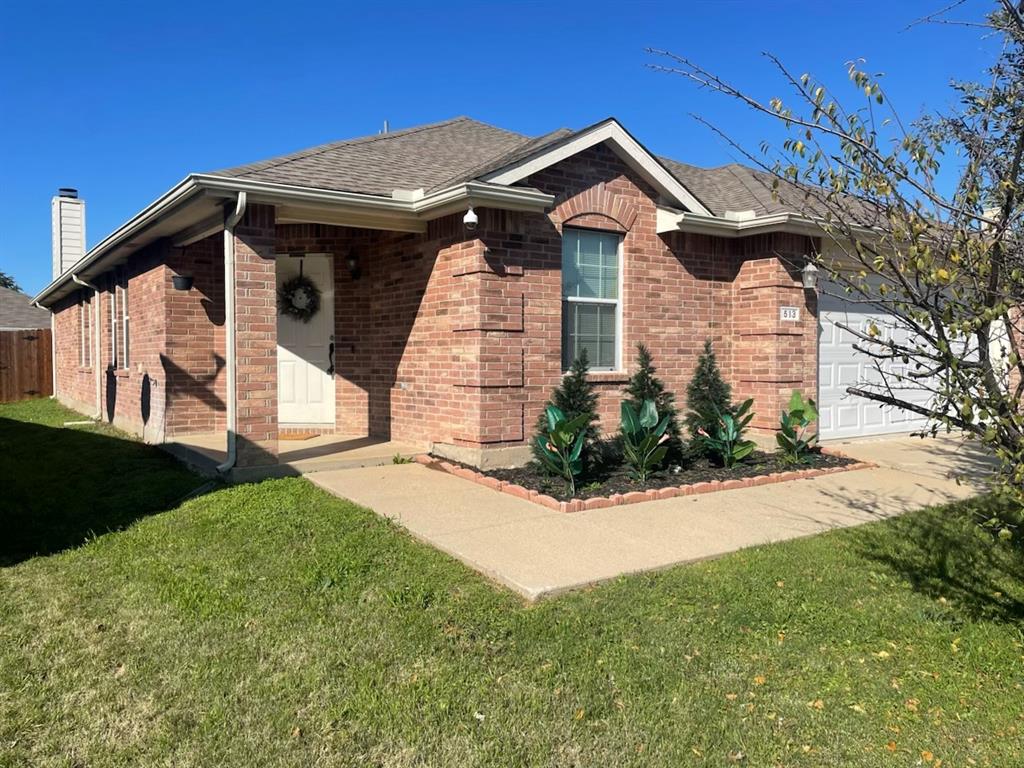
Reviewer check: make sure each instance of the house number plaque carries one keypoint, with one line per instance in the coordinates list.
(789, 314)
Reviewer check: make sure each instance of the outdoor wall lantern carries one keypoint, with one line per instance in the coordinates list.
(353, 265)
(809, 274)
(182, 282)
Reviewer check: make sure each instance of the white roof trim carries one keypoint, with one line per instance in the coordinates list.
(675, 221)
(632, 152)
(369, 210)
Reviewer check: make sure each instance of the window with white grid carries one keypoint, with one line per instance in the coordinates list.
(591, 298)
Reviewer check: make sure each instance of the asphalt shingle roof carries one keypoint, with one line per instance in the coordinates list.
(424, 157)
(437, 155)
(17, 312)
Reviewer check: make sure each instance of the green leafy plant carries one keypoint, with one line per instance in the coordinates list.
(560, 447)
(574, 396)
(725, 440)
(794, 436)
(644, 385)
(400, 459)
(707, 394)
(643, 437)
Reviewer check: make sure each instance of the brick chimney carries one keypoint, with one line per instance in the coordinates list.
(67, 211)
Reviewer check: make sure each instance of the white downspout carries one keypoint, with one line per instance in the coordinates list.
(97, 345)
(53, 349)
(229, 327)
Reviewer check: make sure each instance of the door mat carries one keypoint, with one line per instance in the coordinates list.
(297, 435)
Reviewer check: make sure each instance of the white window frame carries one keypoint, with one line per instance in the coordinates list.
(113, 323)
(124, 359)
(619, 330)
(84, 332)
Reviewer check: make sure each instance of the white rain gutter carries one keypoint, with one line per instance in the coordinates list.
(745, 224)
(229, 328)
(97, 345)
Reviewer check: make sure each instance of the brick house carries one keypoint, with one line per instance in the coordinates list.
(431, 329)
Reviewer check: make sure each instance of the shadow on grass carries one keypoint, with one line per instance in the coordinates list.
(59, 487)
(946, 553)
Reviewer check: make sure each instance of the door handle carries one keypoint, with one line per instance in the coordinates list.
(330, 359)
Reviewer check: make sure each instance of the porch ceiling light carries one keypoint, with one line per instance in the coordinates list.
(470, 220)
(809, 275)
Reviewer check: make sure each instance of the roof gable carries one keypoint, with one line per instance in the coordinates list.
(620, 141)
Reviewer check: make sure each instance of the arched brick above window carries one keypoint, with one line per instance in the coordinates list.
(599, 208)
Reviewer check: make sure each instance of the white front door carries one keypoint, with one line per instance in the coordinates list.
(841, 366)
(305, 381)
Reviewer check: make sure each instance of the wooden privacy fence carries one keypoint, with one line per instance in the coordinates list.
(26, 365)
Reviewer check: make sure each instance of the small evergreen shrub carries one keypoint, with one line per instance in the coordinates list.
(573, 397)
(707, 394)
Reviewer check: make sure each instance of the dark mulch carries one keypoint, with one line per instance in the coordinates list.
(614, 478)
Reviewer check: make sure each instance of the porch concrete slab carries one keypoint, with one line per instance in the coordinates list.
(540, 552)
(325, 452)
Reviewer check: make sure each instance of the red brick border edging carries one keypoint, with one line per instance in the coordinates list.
(634, 497)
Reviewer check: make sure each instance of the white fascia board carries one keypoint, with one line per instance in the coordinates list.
(631, 151)
(475, 193)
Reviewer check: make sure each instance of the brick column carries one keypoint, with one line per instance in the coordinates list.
(771, 357)
(256, 337)
(487, 322)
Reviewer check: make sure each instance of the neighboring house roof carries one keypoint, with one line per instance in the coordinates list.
(17, 312)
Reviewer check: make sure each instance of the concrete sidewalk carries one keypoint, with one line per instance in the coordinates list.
(539, 552)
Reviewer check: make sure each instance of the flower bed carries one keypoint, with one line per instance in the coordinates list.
(615, 487)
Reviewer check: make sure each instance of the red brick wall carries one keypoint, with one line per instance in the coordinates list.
(452, 337)
(393, 332)
(678, 290)
(256, 336)
(194, 361)
(131, 398)
(455, 337)
(76, 385)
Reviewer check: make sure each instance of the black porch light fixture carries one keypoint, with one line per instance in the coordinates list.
(352, 262)
(182, 282)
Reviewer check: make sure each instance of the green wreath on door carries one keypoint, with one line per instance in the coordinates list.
(299, 297)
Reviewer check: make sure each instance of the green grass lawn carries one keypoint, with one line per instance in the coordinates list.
(275, 625)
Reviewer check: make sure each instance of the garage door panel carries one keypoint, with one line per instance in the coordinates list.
(841, 366)
(849, 374)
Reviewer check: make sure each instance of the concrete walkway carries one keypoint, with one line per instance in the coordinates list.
(538, 552)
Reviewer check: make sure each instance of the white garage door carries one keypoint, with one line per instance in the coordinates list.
(841, 366)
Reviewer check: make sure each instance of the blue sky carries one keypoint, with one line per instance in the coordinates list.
(122, 100)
